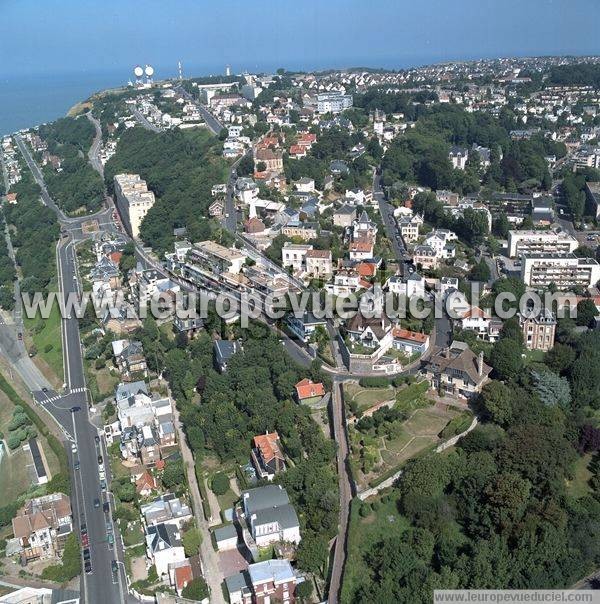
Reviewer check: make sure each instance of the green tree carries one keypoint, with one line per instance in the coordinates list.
(220, 483)
(506, 359)
(586, 312)
(196, 589)
(191, 541)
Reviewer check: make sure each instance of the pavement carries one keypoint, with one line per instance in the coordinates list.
(213, 124)
(70, 408)
(94, 152)
(144, 122)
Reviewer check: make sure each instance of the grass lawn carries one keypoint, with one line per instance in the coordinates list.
(534, 356)
(425, 423)
(413, 397)
(14, 475)
(578, 487)
(132, 534)
(227, 500)
(46, 337)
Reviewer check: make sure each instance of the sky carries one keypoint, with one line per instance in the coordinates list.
(84, 36)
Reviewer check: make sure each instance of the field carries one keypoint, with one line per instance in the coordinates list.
(367, 397)
(379, 451)
(45, 335)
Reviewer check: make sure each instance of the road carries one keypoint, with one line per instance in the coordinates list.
(94, 152)
(347, 492)
(70, 409)
(144, 122)
(389, 222)
(212, 123)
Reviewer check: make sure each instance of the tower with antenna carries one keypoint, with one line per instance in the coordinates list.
(227, 70)
(180, 70)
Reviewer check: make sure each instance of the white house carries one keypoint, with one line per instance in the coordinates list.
(164, 546)
(293, 254)
(413, 285)
(270, 516)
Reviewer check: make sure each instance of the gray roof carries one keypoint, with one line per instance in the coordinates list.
(125, 390)
(223, 533)
(265, 497)
(284, 515)
(238, 582)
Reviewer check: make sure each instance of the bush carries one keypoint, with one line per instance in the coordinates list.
(191, 541)
(219, 484)
(48, 348)
(196, 589)
(374, 382)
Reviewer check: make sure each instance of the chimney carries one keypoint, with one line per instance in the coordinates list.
(480, 364)
(447, 352)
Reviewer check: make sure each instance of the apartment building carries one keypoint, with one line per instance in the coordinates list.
(409, 227)
(333, 102)
(263, 583)
(540, 242)
(539, 331)
(319, 263)
(215, 258)
(563, 270)
(134, 200)
(293, 254)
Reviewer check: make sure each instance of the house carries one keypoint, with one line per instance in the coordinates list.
(226, 537)
(129, 357)
(373, 333)
(293, 254)
(425, 257)
(262, 583)
(180, 574)
(318, 263)
(223, 350)
(410, 342)
(446, 285)
(346, 281)
(304, 327)
(267, 456)
(270, 516)
(254, 225)
(481, 322)
(344, 216)
(42, 526)
(411, 286)
(305, 184)
(164, 546)
(309, 392)
(440, 240)
(304, 230)
(539, 330)
(167, 509)
(361, 249)
(364, 226)
(145, 484)
(457, 371)
(458, 157)
(409, 227)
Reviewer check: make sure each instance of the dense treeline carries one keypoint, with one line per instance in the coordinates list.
(253, 396)
(7, 272)
(501, 510)
(36, 233)
(180, 168)
(583, 74)
(422, 154)
(411, 105)
(77, 187)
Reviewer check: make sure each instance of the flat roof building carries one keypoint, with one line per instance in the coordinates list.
(540, 242)
(563, 270)
(133, 201)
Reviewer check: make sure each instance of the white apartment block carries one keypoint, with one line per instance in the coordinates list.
(293, 254)
(540, 242)
(133, 201)
(333, 102)
(563, 270)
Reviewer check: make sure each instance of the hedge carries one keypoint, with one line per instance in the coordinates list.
(374, 382)
(60, 481)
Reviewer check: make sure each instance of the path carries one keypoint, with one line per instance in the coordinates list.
(210, 560)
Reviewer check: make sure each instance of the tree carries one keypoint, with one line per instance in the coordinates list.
(312, 553)
(506, 359)
(586, 313)
(589, 439)
(304, 591)
(174, 474)
(220, 483)
(196, 589)
(560, 358)
(552, 389)
(191, 541)
(480, 271)
(497, 402)
(512, 330)
(261, 166)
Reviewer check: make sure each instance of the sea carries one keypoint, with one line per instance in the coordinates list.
(28, 100)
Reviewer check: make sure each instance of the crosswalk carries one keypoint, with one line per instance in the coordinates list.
(75, 390)
(56, 397)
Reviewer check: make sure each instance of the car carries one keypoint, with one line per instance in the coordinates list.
(103, 484)
(88, 567)
(77, 465)
(96, 503)
(111, 539)
(114, 566)
(74, 447)
(87, 554)
(97, 439)
(106, 507)
(75, 409)
(100, 460)
(44, 389)
(20, 336)
(74, 277)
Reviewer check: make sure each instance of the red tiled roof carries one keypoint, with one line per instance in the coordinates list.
(307, 389)
(475, 313)
(183, 575)
(268, 445)
(366, 269)
(361, 246)
(412, 336)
